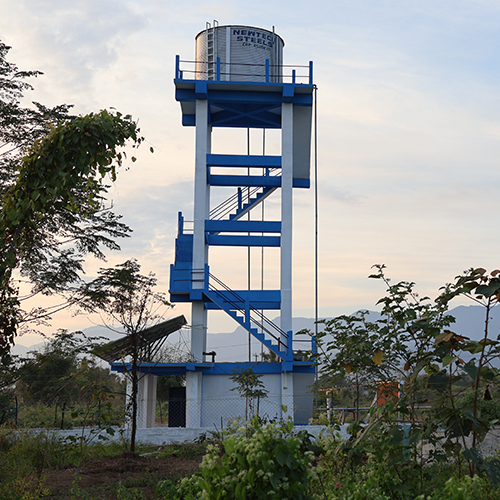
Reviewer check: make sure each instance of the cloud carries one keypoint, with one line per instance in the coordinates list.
(76, 40)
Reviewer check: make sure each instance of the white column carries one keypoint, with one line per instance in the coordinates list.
(146, 401)
(287, 395)
(152, 383)
(200, 258)
(193, 399)
(201, 213)
(286, 217)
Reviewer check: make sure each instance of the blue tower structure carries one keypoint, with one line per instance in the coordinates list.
(238, 82)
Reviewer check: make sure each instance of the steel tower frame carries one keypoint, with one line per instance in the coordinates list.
(266, 104)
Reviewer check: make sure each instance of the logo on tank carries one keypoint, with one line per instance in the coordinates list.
(253, 37)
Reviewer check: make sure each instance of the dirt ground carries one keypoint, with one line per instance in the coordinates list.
(100, 479)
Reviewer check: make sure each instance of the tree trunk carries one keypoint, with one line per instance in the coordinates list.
(135, 388)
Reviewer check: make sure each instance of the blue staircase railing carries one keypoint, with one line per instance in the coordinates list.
(234, 207)
(232, 303)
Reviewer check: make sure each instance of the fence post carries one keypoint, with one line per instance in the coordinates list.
(99, 414)
(267, 70)
(62, 417)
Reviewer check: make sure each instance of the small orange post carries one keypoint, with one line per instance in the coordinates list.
(388, 391)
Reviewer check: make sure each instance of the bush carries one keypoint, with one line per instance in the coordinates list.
(489, 409)
(258, 462)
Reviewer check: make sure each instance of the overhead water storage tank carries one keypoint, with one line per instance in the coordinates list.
(242, 50)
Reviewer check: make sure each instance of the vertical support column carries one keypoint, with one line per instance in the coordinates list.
(194, 396)
(286, 220)
(150, 385)
(201, 213)
(146, 401)
(287, 395)
(194, 393)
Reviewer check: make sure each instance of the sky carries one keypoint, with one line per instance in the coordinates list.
(408, 131)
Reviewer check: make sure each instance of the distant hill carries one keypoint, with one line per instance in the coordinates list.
(233, 346)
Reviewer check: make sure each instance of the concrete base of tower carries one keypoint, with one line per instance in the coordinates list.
(212, 399)
(221, 404)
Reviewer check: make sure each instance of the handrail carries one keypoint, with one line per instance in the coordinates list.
(213, 68)
(239, 299)
(228, 205)
(247, 64)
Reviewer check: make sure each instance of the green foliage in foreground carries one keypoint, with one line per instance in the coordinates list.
(382, 461)
(376, 462)
(256, 462)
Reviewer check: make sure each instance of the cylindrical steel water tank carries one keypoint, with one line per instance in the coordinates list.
(242, 50)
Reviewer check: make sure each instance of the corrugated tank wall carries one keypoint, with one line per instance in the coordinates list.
(242, 50)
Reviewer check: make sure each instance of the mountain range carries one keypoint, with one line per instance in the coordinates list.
(233, 346)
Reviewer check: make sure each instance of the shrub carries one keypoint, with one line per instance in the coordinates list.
(489, 409)
(258, 462)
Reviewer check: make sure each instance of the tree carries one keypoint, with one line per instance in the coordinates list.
(53, 212)
(20, 127)
(413, 341)
(127, 298)
(250, 386)
(63, 371)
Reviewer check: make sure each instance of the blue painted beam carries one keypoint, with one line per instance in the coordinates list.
(244, 180)
(163, 369)
(259, 97)
(241, 96)
(189, 120)
(243, 226)
(258, 299)
(231, 120)
(214, 160)
(301, 183)
(243, 241)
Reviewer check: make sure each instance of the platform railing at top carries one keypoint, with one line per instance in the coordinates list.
(270, 72)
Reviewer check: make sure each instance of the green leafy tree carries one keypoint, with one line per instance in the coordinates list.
(20, 126)
(250, 386)
(127, 298)
(53, 174)
(415, 342)
(64, 371)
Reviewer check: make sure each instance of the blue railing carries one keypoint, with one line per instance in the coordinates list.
(250, 313)
(270, 73)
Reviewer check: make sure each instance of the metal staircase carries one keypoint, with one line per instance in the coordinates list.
(235, 209)
(247, 316)
(245, 307)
